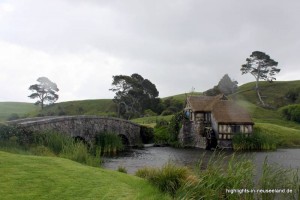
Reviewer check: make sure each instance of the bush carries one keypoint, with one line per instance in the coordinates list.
(291, 112)
(161, 135)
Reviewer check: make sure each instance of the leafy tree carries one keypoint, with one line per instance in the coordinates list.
(44, 91)
(134, 94)
(227, 86)
(261, 66)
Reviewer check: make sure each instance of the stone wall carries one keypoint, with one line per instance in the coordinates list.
(84, 126)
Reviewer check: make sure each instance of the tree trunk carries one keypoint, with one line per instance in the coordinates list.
(257, 88)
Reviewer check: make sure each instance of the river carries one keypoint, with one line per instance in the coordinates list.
(134, 159)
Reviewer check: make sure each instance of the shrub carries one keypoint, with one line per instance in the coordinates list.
(291, 112)
(161, 135)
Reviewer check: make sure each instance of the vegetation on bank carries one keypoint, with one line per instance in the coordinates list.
(36, 177)
(51, 143)
(217, 178)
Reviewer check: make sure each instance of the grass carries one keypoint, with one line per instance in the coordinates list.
(103, 107)
(169, 178)
(19, 108)
(182, 97)
(151, 121)
(286, 137)
(273, 93)
(34, 177)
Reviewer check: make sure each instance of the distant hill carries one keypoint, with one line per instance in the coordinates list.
(7, 109)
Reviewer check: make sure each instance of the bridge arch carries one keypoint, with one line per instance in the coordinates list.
(85, 127)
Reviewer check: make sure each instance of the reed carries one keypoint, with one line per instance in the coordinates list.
(257, 141)
(109, 143)
(168, 179)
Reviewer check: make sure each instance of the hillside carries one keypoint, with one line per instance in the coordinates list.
(104, 107)
(19, 108)
(34, 177)
(182, 97)
(274, 94)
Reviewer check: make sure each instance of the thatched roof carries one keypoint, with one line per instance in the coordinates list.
(228, 112)
(223, 110)
(202, 103)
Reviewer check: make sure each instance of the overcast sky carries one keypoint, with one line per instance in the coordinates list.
(176, 44)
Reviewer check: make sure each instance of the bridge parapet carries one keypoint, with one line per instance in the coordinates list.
(83, 126)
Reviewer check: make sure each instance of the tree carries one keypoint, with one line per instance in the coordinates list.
(261, 66)
(134, 94)
(227, 86)
(44, 91)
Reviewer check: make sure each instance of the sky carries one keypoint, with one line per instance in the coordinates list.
(176, 44)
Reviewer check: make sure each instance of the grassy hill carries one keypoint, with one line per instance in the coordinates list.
(19, 108)
(103, 107)
(34, 177)
(273, 93)
(182, 97)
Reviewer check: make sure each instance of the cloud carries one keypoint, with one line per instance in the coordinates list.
(175, 44)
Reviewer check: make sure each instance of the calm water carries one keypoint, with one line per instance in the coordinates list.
(158, 156)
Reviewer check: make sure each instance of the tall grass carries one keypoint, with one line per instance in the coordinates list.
(47, 143)
(256, 141)
(217, 176)
(168, 179)
(109, 143)
(222, 174)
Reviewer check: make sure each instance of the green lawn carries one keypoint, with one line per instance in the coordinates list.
(34, 177)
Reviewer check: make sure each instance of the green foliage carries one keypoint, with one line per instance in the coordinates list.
(45, 92)
(171, 105)
(47, 143)
(109, 143)
(168, 179)
(147, 134)
(134, 95)
(161, 135)
(149, 113)
(293, 95)
(291, 112)
(256, 141)
(174, 126)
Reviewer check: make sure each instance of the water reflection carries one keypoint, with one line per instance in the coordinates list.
(157, 156)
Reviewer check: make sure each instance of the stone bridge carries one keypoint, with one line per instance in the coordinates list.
(84, 127)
